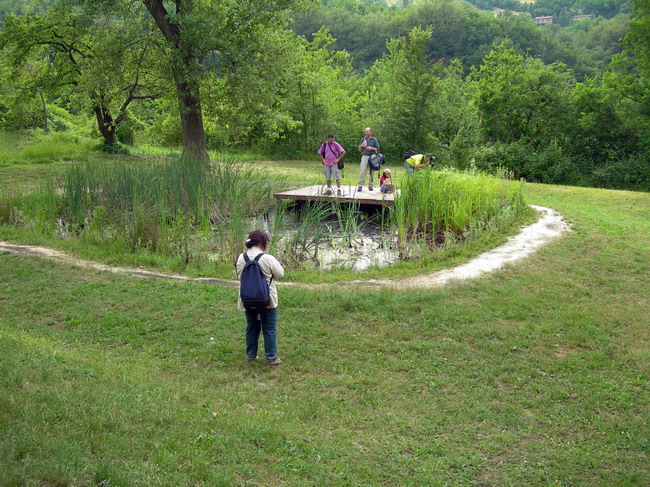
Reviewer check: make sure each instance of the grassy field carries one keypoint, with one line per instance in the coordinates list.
(534, 375)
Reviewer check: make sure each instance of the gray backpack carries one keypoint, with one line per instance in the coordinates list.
(376, 160)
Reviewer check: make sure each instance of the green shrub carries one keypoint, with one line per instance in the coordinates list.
(60, 120)
(632, 173)
(546, 165)
(165, 131)
(19, 114)
(125, 131)
(113, 148)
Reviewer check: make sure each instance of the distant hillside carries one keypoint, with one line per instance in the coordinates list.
(562, 9)
(12, 7)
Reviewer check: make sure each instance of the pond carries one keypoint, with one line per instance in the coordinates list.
(351, 240)
(180, 211)
(363, 253)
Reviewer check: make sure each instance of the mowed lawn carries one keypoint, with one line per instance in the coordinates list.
(533, 375)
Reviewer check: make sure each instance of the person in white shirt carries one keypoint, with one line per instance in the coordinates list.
(265, 321)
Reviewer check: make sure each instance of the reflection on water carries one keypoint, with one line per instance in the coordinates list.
(368, 246)
(364, 252)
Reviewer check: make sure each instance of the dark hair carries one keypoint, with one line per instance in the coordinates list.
(330, 136)
(257, 237)
(409, 153)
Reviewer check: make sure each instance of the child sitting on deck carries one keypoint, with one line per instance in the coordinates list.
(385, 185)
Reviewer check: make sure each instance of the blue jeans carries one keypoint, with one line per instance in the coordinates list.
(266, 322)
(409, 168)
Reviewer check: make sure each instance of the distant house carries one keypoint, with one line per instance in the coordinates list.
(585, 16)
(547, 19)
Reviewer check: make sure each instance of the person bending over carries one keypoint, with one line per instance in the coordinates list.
(413, 161)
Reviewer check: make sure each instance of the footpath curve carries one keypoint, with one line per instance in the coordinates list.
(550, 226)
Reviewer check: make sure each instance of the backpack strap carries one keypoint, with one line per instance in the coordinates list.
(257, 259)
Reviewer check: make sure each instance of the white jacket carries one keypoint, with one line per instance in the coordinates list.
(270, 267)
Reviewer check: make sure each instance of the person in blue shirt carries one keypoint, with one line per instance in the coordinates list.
(368, 146)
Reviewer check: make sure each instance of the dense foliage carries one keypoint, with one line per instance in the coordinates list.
(553, 104)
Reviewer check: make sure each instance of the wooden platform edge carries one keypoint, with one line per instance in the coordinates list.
(307, 194)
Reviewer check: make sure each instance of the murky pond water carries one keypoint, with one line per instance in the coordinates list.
(326, 245)
(363, 253)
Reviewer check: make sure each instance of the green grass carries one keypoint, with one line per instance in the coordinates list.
(43, 148)
(533, 375)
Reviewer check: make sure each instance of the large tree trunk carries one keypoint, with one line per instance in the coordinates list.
(189, 103)
(185, 76)
(105, 124)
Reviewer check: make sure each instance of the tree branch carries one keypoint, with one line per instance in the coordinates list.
(159, 13)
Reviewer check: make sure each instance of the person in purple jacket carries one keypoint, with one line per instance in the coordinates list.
(331, 153)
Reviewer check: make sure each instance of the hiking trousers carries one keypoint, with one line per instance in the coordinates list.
(266, 322)
(365, 167)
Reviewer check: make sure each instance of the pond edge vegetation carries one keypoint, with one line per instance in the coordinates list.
(181, 216)
(520, 246)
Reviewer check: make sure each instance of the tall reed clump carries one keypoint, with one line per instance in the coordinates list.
(8, 207)
(448, 204)
(300, 233)
(165, 207)
(350, 221)
(303, 243)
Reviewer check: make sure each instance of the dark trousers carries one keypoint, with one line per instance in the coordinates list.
(265, 322)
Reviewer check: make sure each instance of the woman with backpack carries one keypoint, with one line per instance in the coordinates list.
(258, 295)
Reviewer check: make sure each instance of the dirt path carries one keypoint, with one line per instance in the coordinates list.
(549, 226)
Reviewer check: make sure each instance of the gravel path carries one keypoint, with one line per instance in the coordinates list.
(550, 225)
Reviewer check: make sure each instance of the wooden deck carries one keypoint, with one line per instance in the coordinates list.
(349, 194)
